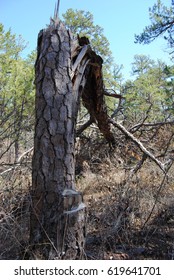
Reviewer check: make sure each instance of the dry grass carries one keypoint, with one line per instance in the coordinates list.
(14, 213)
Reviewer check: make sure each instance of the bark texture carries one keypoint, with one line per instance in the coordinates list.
(57, 212)
(66, 68)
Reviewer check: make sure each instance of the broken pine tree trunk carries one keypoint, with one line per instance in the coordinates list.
(57, 222)
(65, 69)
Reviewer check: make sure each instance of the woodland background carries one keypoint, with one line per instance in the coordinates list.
(129, 200)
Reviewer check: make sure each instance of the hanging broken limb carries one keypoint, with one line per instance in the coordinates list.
(88, 82)
(88, 65)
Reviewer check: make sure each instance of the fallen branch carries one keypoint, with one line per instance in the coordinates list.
(24, 154)
(9, 169)
(163, 166)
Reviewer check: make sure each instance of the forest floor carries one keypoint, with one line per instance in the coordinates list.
(130, 215)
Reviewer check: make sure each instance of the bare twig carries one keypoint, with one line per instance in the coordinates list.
(84, 126)
(24, 154)
(167, 146)
(119, 107)
(151, 124)
(142, 122)
(18, 163)
(157, 195)
(9, 169)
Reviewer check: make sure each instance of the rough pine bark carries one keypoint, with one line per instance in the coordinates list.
(57, 210)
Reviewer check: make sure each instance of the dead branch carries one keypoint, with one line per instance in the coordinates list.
(167, 145)
(157, 196)
(151, 124)
(115, 95)
(119, 107)
(7, 170)
(163, 166)
(143, 121)
(84, 126)
(18, 163)
(24, 154)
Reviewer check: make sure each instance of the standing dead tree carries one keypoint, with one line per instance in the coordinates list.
(66, 68)
(57, 214)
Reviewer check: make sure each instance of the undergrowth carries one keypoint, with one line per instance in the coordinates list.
(130, 215)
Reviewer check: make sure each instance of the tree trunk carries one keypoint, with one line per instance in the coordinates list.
(66, 68)
(57, 229)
